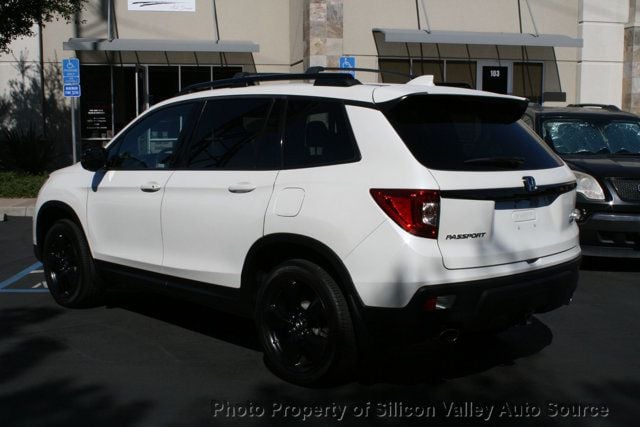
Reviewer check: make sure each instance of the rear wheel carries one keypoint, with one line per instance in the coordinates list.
(68, 266)
(304, 325)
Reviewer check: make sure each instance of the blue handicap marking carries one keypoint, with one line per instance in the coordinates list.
(70, 71)
(72, 91)
(348, 62)
(31, 279)
(71, 65)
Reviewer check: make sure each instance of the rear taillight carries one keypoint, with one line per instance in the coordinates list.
(416, 211)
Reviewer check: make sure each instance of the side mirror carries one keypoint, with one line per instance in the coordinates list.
(94, 158)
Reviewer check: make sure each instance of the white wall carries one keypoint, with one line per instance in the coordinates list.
(601, 26)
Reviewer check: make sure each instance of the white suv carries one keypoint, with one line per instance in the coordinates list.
(329, 211)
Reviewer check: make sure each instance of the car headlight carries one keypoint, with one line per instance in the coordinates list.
(588, 186)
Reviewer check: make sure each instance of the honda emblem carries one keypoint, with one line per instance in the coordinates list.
(529, 184)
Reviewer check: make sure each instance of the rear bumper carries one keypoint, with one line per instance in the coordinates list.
(611, 235)
(484, 305)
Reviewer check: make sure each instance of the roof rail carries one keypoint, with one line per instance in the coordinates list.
(319, 69)
(246, 79)
(462, 85)
(603, 106)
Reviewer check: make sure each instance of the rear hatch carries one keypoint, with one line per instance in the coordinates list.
(505, 197)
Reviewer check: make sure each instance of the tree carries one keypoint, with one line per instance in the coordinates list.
(19, 16)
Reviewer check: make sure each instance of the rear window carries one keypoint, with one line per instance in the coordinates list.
(469, 133)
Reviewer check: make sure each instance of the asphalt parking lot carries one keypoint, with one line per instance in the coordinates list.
(146, 360)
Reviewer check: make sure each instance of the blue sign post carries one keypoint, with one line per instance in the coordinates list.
(347, 62)
(71, 85)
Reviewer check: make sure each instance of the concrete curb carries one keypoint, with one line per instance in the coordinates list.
(16, 207)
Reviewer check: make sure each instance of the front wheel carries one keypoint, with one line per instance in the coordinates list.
(68, 267)
(304, 325)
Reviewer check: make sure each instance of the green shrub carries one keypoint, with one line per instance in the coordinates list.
(25, 150)
(17, 185)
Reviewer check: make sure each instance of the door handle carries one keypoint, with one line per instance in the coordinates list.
(150, 187)
(242, 187)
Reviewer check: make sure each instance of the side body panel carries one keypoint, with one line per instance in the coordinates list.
(208, 229)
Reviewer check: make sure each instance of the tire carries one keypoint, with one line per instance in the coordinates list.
(304, 325)
(68, 267)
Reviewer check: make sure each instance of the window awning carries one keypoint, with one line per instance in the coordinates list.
(158, 45)
(163, 52)
(477, 38)
(404, 50)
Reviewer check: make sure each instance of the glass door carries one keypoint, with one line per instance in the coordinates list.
(495, 76)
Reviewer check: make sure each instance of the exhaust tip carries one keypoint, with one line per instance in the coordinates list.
(449, 336)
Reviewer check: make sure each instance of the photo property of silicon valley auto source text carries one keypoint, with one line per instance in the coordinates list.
(319, 212)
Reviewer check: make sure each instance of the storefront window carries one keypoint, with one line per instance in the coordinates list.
(163, 83)
(527, 81)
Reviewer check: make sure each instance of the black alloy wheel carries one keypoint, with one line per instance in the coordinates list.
(304, 325)
(68, 266)
(63, 271)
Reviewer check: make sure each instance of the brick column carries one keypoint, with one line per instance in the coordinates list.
(322, 28)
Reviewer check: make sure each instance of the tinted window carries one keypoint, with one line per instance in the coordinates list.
(240, 134)
(152, 142)
(317, 133)
(469, 133)
(584, 136)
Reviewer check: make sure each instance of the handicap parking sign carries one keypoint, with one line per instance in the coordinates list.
(347, 62)
(71, 71)
(72, 91)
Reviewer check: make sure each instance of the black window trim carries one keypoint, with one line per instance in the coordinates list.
(182, 162)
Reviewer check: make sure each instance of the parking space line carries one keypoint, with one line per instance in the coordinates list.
(11, 280)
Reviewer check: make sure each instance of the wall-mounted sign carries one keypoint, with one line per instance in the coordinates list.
(347, 62)
(495, 79)
(96, 120)
(163, 5)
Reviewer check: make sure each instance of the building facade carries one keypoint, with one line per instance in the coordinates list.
(134, 54)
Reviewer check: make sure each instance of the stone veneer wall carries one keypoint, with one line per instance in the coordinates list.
(322, 32)
(631, 65)
(631, 85)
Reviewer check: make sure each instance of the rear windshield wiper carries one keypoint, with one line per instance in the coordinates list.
(505, 162)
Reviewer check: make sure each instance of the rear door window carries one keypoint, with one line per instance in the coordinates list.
(237, 134)
(469, 133)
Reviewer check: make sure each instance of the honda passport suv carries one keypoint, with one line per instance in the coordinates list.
(330, 211)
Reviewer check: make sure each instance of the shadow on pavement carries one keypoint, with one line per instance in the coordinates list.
(435, 362)
(610, 264)
(426, 363)
(57, 400)
(198, 318)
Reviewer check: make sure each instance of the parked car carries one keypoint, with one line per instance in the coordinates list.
(332, 212)
(601, 144)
